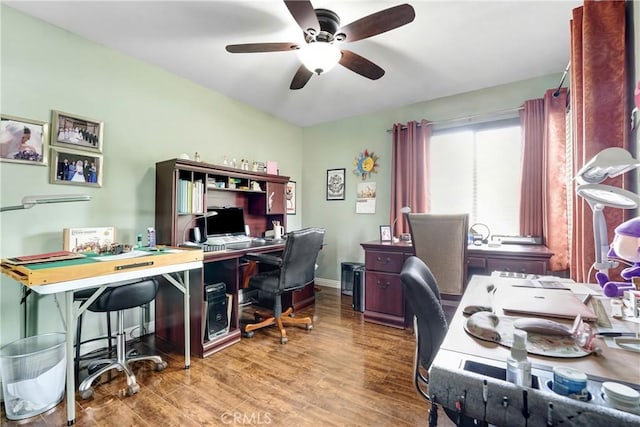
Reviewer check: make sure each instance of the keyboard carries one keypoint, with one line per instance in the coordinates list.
(518, 240)
(225, 240)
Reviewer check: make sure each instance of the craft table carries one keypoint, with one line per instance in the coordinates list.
(464, 362)
(68, 276)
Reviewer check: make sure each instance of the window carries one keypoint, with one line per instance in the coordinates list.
(477, 170)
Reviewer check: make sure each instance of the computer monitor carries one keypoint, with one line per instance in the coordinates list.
(228, 221)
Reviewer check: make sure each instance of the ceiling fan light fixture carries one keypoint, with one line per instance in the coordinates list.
(319, 57)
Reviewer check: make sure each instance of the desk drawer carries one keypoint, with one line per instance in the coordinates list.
(383, 293)
(474, 262)
(383, 261)
(517, 266)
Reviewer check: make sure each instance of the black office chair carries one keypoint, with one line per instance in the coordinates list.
(120, 298)
(430, 325)
(422, 295)
(295, 269)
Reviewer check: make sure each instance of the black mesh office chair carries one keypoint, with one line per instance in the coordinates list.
(120, 298)
(430, 325)
(294, 270)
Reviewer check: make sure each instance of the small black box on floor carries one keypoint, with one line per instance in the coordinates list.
(346, 278)
(358, 289)
(217, 321)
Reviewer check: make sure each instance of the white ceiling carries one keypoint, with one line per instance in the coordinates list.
(451, 47)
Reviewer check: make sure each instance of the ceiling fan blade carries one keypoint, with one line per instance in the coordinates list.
(360, 65)
(303, 13)
(301, 78)
(378, 23)
(260, 47)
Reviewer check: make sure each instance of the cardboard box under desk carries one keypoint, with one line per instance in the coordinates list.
(60, 271)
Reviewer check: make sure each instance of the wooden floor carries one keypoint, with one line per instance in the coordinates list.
(344, 372)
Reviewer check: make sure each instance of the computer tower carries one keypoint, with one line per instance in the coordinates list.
(358, 289)
(217, 321)
(346, 278)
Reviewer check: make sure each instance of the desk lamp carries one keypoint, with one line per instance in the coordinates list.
(31, 201)
(608, 163)
(403, 210)
(197, 236)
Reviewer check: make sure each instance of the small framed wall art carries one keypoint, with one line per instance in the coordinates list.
(290, 197)
(23, 140)
(76, 168)
(77, 132)
(335, 184)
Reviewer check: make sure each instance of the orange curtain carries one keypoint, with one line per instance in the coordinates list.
(554, 187)
(599, 96)
(409, 175)
(532, 123)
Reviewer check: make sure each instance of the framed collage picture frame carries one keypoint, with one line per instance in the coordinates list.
(290, 197)
(76, 168)
(76, 132)
(335, 184)
(23, 140)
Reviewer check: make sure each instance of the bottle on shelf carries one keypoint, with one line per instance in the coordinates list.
(518, 365)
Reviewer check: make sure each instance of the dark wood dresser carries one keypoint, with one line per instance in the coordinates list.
(384, 298)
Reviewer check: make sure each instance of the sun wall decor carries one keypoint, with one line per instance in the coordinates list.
(366, 164)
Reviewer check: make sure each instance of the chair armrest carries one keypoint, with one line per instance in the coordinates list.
(265, 258)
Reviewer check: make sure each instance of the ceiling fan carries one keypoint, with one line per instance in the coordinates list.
(322, 33)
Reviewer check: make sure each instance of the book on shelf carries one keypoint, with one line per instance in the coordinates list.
(88, 239)
(190, 196)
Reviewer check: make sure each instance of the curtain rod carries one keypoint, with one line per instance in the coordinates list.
(471, 117)
(564, 75)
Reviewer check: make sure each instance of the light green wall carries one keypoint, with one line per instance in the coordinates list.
(149, 115)
(337, 144)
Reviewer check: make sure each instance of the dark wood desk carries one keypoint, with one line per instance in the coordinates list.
(531, 259)
(229, 268)
(384, 299)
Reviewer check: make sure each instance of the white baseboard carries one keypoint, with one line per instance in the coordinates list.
(327, 282)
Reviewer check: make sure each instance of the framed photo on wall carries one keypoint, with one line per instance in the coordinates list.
(76, 168)
(290, 197)
(335, 184)
(385, 233)
(23, 140)
(77, 132)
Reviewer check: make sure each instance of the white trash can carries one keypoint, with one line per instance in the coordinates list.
(33, 374)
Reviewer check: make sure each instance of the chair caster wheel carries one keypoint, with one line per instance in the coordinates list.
(309, 327)
(161, 366)
(247, 334)
(87, 394)
(133, 389)
(284, 340)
